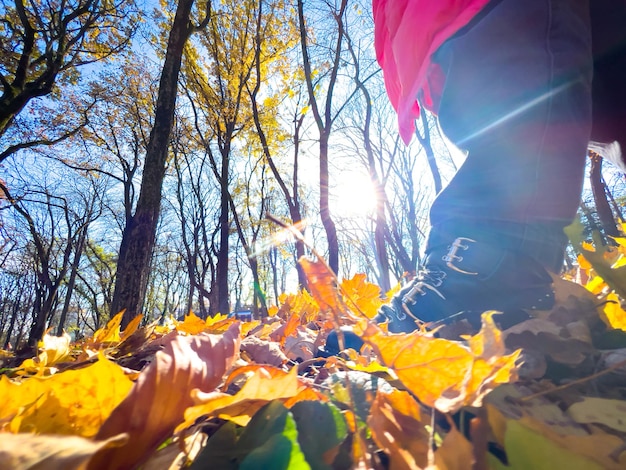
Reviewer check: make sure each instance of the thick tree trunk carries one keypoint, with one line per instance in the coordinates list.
(139, 234)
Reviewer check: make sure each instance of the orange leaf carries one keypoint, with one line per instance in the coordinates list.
(291, 328)
(444, 374)
(157, 402)
(403, 438)
(266, 384)
(362, 295)
(301, 304)
(131, 327)
(322, 285)
(192, 324)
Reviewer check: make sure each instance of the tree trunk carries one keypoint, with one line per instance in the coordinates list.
(603, 208)
(223, 294)
(80, 246)
(140, 232)
(428, 148)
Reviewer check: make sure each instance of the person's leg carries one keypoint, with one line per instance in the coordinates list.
(517, 98)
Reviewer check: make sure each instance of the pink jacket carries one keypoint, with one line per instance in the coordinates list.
(407, 33)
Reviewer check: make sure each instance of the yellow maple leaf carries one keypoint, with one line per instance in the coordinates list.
(264, 385)
(362, 295)
(72, 402)
(52, 350)
(614, 314)
(301, 304)
(192, 324)
(110, 333)
(444, 374)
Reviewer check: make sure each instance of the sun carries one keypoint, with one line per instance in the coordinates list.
(354, 195)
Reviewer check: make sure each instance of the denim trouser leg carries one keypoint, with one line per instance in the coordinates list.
(517, 97)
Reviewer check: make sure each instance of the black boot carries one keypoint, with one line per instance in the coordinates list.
(464, 279)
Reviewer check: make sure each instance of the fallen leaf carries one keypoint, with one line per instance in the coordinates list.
(264, 385)
(443, 374)
(614, 313)
(52, 350)
(362, 295)
(322, 284)
(157, 402)
(263, 351)
(403, 437)
(32, 452)
(192, 324)
(455, 452)
(611, 413)
(71, 402)
(108, 334)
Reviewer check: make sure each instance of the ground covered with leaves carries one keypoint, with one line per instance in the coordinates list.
(549, 392)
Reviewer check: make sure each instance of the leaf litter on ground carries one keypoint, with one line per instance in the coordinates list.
(549, 392)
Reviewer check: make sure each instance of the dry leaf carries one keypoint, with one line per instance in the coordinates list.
(263, 352)
(455, 452)
(362, 295)
(71, 402)
(322, 285)
(157, 402)
(443, 374)
(403, 437)
(32, 452)
(264, 385)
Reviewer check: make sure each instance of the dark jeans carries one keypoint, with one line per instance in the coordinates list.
(517, 97)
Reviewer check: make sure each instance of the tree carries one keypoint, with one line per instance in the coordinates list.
(56, 225)
(139, 234)
(238, 51)
(42, 42)
(324, 120)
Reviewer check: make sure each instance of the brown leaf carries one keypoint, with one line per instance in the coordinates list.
(263, 351)
(455, 452)
(33, 452)
(157, 402)
(403, 437)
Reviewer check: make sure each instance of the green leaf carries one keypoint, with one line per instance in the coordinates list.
(273, 434)
(321, 427)
(270, 440)
(221, 450)
(526, 449)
